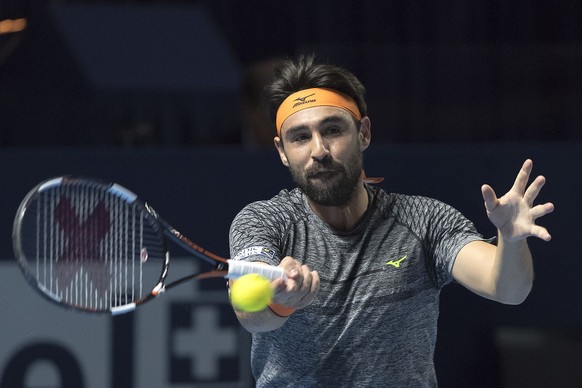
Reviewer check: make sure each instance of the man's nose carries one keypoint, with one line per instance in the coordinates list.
(319, 147)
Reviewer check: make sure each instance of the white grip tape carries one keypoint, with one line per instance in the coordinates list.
(238, 268)
(126, 308)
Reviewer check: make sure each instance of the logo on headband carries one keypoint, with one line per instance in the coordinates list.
(314, 97)
(303, 100)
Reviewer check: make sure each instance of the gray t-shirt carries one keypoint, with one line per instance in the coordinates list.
(374, 320)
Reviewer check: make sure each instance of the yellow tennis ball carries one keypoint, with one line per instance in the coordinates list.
(251, 293)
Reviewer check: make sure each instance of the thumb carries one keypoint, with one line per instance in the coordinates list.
(489, 197)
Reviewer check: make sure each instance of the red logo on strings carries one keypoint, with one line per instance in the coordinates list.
(82, 250)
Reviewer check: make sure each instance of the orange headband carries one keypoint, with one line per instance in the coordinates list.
(308, 98)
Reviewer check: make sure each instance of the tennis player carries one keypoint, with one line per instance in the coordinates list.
(365, 267)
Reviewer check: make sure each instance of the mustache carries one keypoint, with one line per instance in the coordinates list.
(323, 166)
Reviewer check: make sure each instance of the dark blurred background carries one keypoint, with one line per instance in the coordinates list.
(164, 98)
(189, 72)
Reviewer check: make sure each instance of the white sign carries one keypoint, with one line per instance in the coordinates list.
(184, 338)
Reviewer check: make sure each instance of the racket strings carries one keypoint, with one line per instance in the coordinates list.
(92, 248)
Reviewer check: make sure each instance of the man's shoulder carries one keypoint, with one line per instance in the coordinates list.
(405, 205)
(285, 203)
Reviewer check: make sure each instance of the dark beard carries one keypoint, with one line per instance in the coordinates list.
(328, 182)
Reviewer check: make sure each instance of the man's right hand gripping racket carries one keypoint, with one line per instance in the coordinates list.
(96, 247)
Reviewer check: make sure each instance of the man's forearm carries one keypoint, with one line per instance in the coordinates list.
(514, 271)
(260, 321)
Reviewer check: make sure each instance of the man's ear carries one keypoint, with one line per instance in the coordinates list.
(279, 145)
(365, 132)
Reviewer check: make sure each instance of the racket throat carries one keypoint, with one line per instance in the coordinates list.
(159, 289)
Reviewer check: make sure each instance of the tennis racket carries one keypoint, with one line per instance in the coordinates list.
(95, 247)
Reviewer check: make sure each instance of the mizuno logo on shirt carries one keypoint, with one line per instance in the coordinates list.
(396, 263)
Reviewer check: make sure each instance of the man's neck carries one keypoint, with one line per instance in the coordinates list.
(343, 218)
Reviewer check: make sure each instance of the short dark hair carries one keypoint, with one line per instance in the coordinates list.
(304, 73)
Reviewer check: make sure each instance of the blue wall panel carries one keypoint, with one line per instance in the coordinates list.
(200, 190)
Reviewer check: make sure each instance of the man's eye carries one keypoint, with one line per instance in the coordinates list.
(301, 138)
(332, 130)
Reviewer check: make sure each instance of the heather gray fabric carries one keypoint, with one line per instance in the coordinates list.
(374, 321)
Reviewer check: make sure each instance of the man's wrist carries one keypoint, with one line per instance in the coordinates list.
(281, 310)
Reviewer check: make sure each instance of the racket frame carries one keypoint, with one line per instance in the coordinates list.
(221, 267)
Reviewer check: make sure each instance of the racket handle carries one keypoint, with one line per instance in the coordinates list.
(238, 268)
(123, 309)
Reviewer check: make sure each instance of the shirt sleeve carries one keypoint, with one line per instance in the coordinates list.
(448, 231)
(254, 235)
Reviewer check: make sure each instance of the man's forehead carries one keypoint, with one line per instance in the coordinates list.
(315, 116)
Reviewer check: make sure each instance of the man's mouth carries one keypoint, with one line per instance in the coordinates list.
(321, 174)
